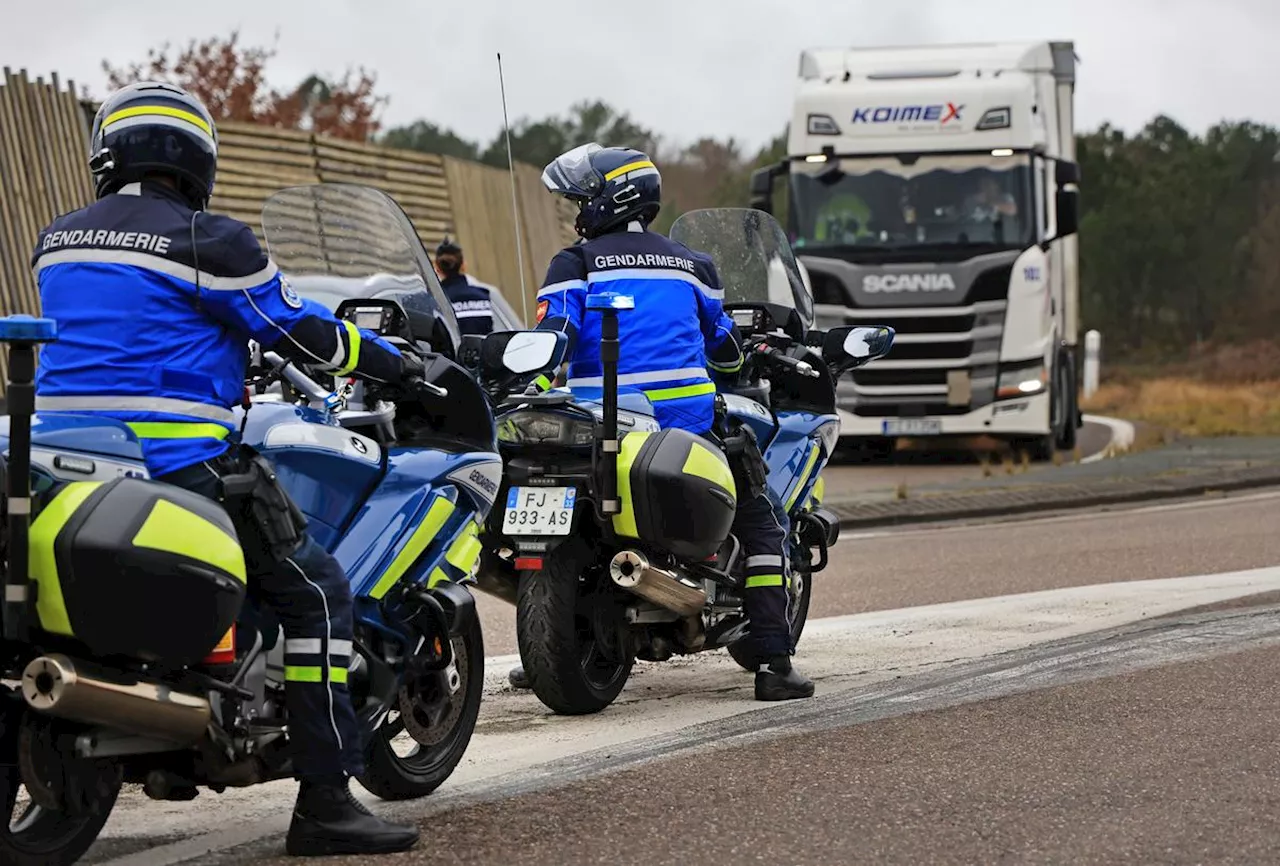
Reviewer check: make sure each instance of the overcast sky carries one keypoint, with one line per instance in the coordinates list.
(682, 67)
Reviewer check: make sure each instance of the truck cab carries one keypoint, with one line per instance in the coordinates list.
(934, 189)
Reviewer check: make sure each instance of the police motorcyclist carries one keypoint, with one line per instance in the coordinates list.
(156, 301)
(677, 331)
(470, 298)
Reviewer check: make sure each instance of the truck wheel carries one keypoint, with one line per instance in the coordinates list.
(1068, 432)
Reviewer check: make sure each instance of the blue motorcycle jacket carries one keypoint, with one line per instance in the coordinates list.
(471, 305)
(677, 330)
(156, 304)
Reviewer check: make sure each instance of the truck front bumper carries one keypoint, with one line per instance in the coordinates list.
(1025, 416)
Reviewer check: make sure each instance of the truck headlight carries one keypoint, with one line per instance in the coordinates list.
(545, 428)
(1022, 381)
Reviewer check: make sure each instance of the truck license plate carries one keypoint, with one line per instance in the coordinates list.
(912, 427)
(539, 510)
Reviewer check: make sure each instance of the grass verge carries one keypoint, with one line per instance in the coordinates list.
(1193, 408)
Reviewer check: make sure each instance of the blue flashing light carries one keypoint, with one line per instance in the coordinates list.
(27, 329)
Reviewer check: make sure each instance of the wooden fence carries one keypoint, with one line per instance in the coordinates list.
(43, 172)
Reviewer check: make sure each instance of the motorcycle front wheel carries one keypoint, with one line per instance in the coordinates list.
(425, 736)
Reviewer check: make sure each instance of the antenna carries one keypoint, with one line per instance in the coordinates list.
(515, 207)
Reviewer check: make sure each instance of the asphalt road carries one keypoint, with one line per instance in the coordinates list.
(923, 461)
(1177, 764)
(932, 564)
(950, 726)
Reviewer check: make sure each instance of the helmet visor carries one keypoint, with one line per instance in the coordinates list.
(572, 174)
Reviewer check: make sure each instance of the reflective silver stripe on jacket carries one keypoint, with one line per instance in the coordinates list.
(159, 264)
(642, 378)
(665, 274)
(135, 403)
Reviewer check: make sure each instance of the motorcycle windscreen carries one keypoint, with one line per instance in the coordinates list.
(335, 241)
(751, 255)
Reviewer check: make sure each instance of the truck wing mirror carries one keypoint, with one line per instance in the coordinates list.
(1067, 202)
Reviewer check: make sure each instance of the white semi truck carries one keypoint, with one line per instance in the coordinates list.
(935, 189)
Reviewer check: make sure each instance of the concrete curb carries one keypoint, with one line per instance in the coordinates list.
(1049, 497)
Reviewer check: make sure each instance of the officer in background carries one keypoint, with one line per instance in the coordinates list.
(472, 306)
(156, 301)
(677, 331)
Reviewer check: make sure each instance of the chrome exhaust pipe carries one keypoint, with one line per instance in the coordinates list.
(52, 684)
(632, 571)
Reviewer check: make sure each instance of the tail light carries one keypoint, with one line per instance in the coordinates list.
(225, 652)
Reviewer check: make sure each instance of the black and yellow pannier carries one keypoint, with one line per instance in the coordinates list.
(136, 568)
(677, 492)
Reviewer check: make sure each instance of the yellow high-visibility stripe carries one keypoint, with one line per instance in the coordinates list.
(758, 580)
(804, 476)
(462, 554)
(313, 674)
(50, 604)
(631, 166)
(353, 348)
(681, 391)
(161, 110)
(178, 430)
(174, 529)
(421, 538)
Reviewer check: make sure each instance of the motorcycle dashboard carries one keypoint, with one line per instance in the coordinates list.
(385, 318)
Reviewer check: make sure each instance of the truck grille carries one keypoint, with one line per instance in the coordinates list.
(930, 343)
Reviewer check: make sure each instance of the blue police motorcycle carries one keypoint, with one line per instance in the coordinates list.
(394, 482)
(613, 539)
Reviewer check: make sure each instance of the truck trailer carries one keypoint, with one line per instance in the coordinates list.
(935, 189)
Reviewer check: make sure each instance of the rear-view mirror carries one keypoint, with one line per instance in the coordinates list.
(1065, 172)
(762, 182)
(1067, 203)
(854, 346)
(522, 352)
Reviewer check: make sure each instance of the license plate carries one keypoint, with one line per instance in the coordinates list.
(539, 510)
(912, 427)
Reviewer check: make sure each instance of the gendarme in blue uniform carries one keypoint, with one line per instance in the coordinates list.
(471, 304)
(156, 304)
(677, 320)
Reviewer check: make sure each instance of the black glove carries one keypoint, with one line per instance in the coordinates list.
(411, 366)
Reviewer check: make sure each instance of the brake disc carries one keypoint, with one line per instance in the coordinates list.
(429, 706)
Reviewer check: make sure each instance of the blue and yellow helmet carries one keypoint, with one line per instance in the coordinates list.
(611, 186)
(154, 128)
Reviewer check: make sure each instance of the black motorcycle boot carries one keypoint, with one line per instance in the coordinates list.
(518, 678)
(779, 681)
(329, 820)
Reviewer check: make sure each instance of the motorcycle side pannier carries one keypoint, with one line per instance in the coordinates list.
(136, 568)
(677, 492)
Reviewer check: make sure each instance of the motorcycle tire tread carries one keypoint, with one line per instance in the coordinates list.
(545, 614)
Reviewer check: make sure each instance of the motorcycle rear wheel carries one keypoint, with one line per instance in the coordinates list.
(568, 667)
(31, 835)
(390, 775)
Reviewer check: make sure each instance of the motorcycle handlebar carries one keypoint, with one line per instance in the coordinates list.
(804, 368)
(298, 379)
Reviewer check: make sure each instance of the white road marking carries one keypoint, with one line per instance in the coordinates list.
(516, 733)
(1122, 435)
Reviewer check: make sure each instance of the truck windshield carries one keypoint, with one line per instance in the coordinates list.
(895, 203)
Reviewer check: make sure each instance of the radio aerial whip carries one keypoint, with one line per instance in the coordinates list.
(515, 207)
